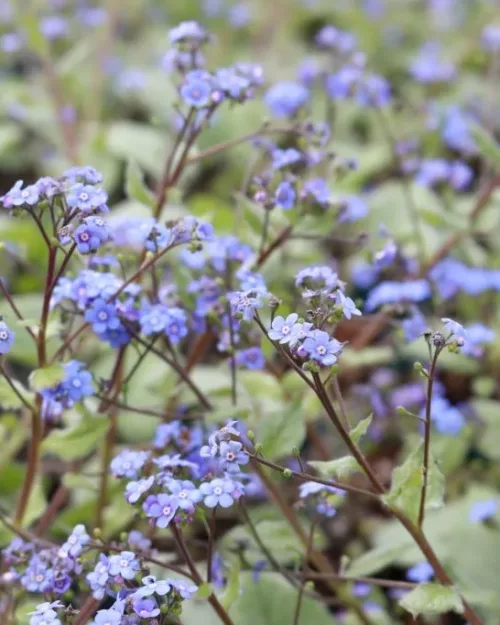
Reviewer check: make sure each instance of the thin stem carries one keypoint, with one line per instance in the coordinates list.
(275, 244)
(352, 446)
(384, 583)
(302, 587)
(10, 382)
(427, 436)
(340, 401)
(63, 266)
(211, 543)
(307, 477)
(197, 578)
(265, 230)
(16, 310)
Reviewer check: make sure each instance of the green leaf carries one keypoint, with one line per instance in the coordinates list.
(272, 601)
(232, 587)
(432, 599)
(488, 147)
(142, 143)
(204, 591)
(76, 441)
(48, 377)
(135, 187)
(281, 431)
(407, 482)
(341, 467)
(8, 398)
(361, 429)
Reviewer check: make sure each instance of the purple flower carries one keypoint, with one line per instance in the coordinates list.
(138, 541)
(490, 38)
(322, 348)
(152, 587)
(454, 328)
(124, 565)
(428, 67)
(285, 158)
(414, 326)
(135, 490)
(285, 195)
(184, 588)
(87, 198)
(188, 32)
(102, 316)
(285, 99)
(128, 463)
(145, 607)
(76, 541)
(421, 572)
(391, 292)
(373, 91)
(231, 456)
(335, 39)
(86, 174)
(18, 196)
(316, 189)
(6, 337)
(186, 494)
(281, 329)
(219, 492)
(107, 617)
(252, 358)
(483, 510)
(196, 90)
(162, 508)
(91, 234)
(346, 304)
(53, 27)
(353, 208)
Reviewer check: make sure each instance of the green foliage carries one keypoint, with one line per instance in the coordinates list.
(339, 468)
(432, 599)
(407, 483)
(47, 377)
(135, 187)
(271, 601)
(77, 440)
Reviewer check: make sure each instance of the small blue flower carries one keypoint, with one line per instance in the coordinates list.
(128, 463)
(87, 198)
(286, 158)
(186, 494)
(7, 337)
(158, 238)
(76, 541)
(252, 358)
(322, 348)
(18, 196)
(189, 31)
(184, 588)
(162, 508)
(421, 572)
(86, 174)
(346, 303)
(196, 90)
(483, 510)
(107, 617)
(454, 328)
(124, 565)
(353, 208)
(98, 578)
(285, 99)
(102, 316)
(91, 234)
(153, 587)
(316, 189)
(145, 607)
(232, 456)
(282, 329)
(220, 492)
(285, 195)
(135, 490)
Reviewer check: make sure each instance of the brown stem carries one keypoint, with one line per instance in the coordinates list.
(303, 580)
(427, 437)
(197, 578)
(15, 309)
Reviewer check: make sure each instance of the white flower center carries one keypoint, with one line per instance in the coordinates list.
(84, 196)
(217, 490)
(102, 315)
(167, 510)
(285, 330)
(230, 456)
(123, 563)
(321, 350)
(84, 236)
(4, 335)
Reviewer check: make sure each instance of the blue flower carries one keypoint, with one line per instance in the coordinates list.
(220, 492)
(153, 587)
(124, 565)
(86, 174)
(447, 419)
(490, 38)
(428, 67)
(162, 508)
(87, 198)
(373, 91)
(98, 578)
(158, 238)
(185, 492)
(102, 316)
(353, 208)
(454, 328)
(76, 541)
(138, 541)
(285, 195)
(341, 85)
(91, 234)
(197, 89)
(145, 608)
(414, 326)
(346, 304)
(135, 490)
(281, 328)
(234, 85)
(421, 572)
(391, 292)
(189, 31)
(231, 456)
(252, 358)
(322, 348)
(184, 588)
(245, 303)
(316, 189)
(107, 617)
(285, 99)
(18, 196)
(335, 39)
(128, 463)
(285, 158)
(477, 335)
(483, 510)
(7, 337)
